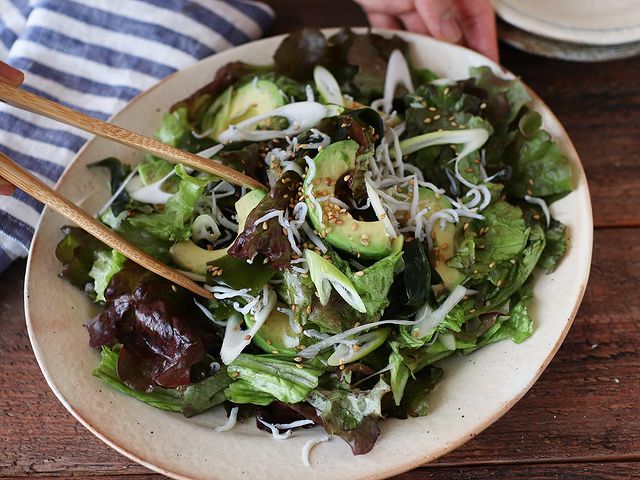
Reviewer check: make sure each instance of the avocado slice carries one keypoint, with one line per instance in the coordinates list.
(276, 334)
(255, 98)
(443, 239)
(235, 105)
(366, 239)
(189, 256)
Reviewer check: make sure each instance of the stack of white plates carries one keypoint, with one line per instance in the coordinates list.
(583, 30)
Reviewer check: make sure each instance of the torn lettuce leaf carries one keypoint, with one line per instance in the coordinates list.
(173, 223)
(196, 398)
(270, 242)
(351, 415)
(162, 331)
(538, 166)
(555, 247)
(76, 252)
(281, 379)
(105, 266)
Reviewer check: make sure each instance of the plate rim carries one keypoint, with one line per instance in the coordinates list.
(385, 470)
(540, 26)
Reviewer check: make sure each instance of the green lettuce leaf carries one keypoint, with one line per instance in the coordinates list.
(415, 401)
(502, 236)
(281, 379)
(163, 398)
(205, 394)
(372, 283)
(76, 252)
(538, 167)
(241, 392)
(105, 266)
(556, 246)
(195, 398)
(173, 224)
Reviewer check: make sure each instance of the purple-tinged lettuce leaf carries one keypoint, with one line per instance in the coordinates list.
(162, 331)
(351, 415)
(270, 243)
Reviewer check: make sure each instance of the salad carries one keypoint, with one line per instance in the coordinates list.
(405, 217)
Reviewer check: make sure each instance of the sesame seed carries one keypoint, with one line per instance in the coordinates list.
(427, 120)
(492, 264)
(298, 359)
(308, 309)
(299, 366)
(174, 288)
(247, 337)
(465, 226)
(235, 374)
(346, 178)
(359, 274)
(437, 117)
(483, 106)
(275, 352)
(498, 283)
(264, 225)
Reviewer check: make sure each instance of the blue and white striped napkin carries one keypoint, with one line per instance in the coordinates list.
(94, 56)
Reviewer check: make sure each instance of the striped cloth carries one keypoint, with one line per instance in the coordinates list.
(94, 56)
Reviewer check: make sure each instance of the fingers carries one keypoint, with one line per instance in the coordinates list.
(413, 22)
(440, 18)
(389, 7)
(382, 20)
(478, 23)
(10, 76)
(5, 187)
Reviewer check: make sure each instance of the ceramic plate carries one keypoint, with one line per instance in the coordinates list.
(476, 390)
(591, 22)
(578, 52)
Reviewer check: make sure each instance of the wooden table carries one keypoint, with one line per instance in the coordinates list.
(581, 419)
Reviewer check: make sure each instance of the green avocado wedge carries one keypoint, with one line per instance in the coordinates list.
(253, 98)
(443, 238)
(276, 335)
(341, 230)
(191, 257)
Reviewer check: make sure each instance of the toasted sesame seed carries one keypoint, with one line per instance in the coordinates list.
(247, 337)
(264, 225)
(498, 283)
(298, 359)
(492, 264)
(235, 374)
(174, 288)
(436, 117)
(359, 274)
(465, 226)
(346, 178)
(427, 120)
(483, 106)
(308, 309)
(299, 366)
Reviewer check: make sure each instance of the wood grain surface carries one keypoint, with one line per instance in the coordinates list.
(580, 420)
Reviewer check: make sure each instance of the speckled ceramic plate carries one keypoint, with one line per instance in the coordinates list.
(475, 392)
(588, 22)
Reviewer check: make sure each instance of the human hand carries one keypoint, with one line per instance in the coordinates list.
(13, 77)
(466, 22)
